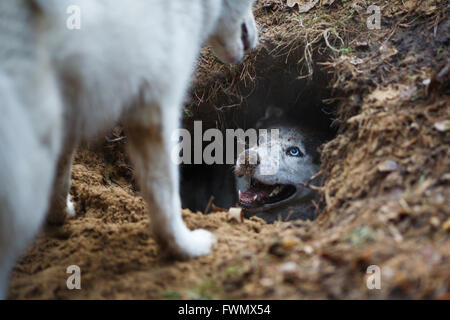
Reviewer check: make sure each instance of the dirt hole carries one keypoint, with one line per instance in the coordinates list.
(306, 101)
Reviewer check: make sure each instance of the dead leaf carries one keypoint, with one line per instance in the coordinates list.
(435, 222)
(442, 126)
(445, 177)
(326, 2)
(423, 186)
(289, 270)
(381, 97)
(407, 92)
(308, 249)
(355, 60)
(292, 3)
(303, 5)
(387, 51)
(361, 44)
(288, 243)
(446, 225)
(267, 282)
(388, 166)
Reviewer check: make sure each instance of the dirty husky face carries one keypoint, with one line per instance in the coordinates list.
(278, 194)
(235, 31)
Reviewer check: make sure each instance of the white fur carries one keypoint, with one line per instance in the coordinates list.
(131, 60)
(272, 156)
(286, 169)
(70, 208)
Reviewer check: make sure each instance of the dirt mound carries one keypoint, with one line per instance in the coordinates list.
(386, 194)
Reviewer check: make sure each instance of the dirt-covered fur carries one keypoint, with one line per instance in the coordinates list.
(130, 60)
(271, 185)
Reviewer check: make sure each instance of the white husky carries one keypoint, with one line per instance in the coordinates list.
(130, 60)
(280, 193)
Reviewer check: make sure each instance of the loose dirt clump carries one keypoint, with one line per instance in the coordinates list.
(386, 190)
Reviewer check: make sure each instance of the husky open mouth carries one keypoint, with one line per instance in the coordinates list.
(261, 195)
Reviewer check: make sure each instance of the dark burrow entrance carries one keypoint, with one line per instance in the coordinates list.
(275, 97)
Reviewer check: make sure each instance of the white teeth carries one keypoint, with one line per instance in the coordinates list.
(275, 191)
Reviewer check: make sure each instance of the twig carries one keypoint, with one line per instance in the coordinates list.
(208, 205)
(325, 36)
(115, 140)
(314, 177)
(309, 186)
(308, 183)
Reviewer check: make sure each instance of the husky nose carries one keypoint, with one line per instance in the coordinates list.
(245, 164)
(248, 162)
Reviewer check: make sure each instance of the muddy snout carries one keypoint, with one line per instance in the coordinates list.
(246, 163)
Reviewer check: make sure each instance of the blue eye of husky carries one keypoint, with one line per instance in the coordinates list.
(294, 152)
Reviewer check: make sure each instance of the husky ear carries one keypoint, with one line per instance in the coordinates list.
(273, 112)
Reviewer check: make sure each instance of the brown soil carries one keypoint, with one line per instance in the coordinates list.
(386, 191)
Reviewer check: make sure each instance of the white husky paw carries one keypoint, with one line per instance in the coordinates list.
(70, 208)
(197, 243)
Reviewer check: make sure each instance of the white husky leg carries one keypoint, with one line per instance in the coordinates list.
(61, 205)
(29, 144)
(150, 150)
(23, 203)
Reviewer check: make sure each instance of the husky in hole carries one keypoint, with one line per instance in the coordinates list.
(281, 194)
(130, 61)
